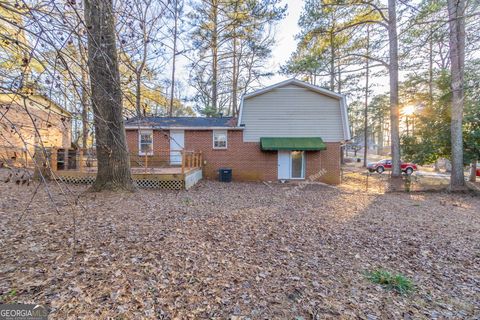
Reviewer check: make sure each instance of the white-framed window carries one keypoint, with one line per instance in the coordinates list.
(220, 139)
(145, 142)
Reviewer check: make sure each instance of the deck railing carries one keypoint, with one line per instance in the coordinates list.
(85, 160)
(191, 160)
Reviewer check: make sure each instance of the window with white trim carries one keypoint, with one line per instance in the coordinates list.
(219, 139)
(145, 143)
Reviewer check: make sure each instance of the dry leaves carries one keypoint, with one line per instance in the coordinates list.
(240, 251)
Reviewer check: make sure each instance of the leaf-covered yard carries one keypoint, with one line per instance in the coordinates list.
(241, 251)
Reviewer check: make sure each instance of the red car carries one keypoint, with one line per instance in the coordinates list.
(386, 164)
(478, 172)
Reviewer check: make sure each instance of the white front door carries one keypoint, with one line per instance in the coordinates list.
(177, 142)
(283, 165)
(291, 165)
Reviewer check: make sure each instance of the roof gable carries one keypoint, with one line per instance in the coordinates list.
(277, 101)
(298, 83)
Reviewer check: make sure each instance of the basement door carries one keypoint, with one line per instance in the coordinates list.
(177, 143)
(291, 165)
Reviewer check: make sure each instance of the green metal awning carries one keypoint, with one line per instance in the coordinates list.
(307, 143)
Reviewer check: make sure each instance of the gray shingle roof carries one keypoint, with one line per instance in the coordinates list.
(190, 122)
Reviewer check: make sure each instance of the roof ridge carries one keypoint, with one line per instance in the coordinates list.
(183, 121)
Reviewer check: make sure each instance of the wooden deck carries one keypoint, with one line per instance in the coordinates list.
(150, 178)
(151, 171)
(160, 171)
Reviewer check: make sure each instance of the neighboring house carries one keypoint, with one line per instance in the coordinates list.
(291, 130)
(28, 121)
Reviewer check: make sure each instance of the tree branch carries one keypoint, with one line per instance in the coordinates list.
(382, 62)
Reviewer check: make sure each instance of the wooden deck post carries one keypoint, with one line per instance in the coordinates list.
(182, 153)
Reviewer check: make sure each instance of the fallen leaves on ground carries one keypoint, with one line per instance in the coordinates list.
(239, 251)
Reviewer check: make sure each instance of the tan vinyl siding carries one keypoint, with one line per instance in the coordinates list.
(292, 111)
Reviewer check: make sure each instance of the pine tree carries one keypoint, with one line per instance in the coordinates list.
(232, 40)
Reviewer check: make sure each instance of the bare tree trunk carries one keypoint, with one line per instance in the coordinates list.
(234, 77)
(473, 171)
(380, 137)
(113, 161)
(367, 74)
(234, 101)
(84, 96)
(138, 94)
(332, 62)
(215, 56)
(430, 69)
(138, 75)
(456, 10)
(174, 58)
(393, 69)
(339, 72)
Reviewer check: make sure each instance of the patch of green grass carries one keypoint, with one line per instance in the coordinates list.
(8, 296)
(390, 281)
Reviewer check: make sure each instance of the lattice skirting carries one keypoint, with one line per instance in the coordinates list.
(77, 180)
(159, 184)
(140, 183)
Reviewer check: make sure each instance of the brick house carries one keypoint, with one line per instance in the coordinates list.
(31, 120)
(288, 131)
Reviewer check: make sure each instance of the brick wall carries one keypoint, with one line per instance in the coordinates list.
(245, 158)
(161, 147)
(54, 129)
(248, 161)
(132, 141)
(161, 142)
(330, 162)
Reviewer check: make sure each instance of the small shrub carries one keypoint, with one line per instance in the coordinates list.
(386, 279)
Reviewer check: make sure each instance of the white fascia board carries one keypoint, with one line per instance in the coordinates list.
(298, 83)
(240, 113)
